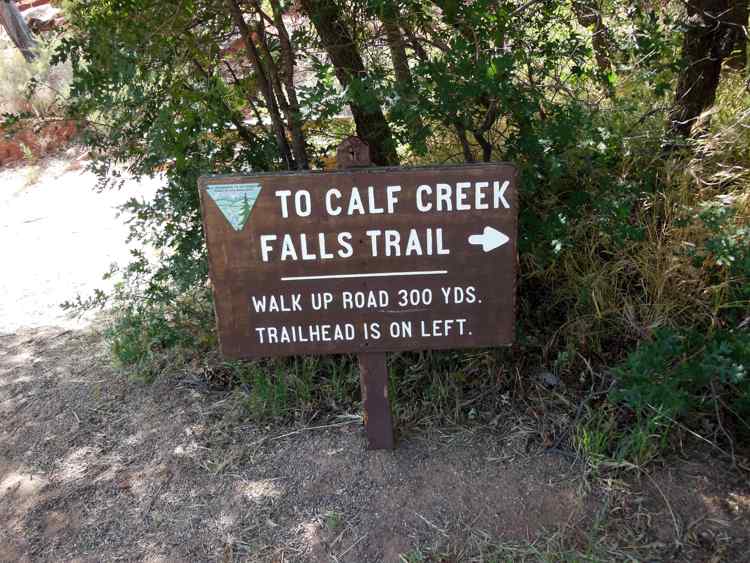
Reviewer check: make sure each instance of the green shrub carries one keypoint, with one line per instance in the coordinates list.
(153, 335)
(683, 378)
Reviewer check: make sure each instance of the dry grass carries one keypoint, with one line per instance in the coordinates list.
(52, 83)
(628, 290)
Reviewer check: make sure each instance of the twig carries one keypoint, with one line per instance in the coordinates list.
(348, 549)
(579, 413)
(335, 425)
(431, 525)
(721, 426)
(737, 416)
(157, 494)
(692, 432)
(335, 541)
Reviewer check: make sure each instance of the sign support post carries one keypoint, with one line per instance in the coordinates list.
(373, 368)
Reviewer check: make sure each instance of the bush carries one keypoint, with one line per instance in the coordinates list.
(689, 370)
(684, 378)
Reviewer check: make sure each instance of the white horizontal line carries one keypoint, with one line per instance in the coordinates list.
(373, 275)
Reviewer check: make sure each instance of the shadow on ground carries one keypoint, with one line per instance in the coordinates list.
(97, 467)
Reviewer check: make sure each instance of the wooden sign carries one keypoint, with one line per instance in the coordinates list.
(363, 259)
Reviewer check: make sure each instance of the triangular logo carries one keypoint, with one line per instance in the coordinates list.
(236, 201)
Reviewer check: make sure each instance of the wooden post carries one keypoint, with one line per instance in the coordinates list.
(373, 379)
(15, 26)
(353, 152)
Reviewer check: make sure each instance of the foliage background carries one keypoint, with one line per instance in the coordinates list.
(635, 245)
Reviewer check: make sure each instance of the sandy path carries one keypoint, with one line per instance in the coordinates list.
(57, 237)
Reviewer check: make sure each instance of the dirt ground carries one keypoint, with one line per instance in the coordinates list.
(98, 467)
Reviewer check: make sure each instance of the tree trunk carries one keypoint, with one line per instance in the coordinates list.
(463, 139)
(398, 53)
(15, 26)
(338, 42)
(287, 62)
(708, 40)
(292, 117)
(402, 72)
(266, 86)
(738, 59)
(414, 43)
(589, 15)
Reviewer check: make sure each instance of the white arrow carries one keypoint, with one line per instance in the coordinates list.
(490, 239)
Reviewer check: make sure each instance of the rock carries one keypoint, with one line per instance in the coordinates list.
(549, 379)
(42, 18)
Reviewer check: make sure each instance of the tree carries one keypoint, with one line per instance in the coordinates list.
(268, 76)
(15, 26)
(245, 211)
(404, 82)
(190, 87)
(343, 51)
(709, 39)
(741, 19)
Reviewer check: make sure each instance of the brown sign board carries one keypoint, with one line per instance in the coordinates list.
(363, 260)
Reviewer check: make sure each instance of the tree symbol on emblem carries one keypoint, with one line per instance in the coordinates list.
(245, 212)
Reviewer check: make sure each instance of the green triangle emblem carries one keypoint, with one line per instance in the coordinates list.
(236, 201)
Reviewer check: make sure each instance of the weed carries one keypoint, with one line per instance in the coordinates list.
(33, 173)
(415, 556)
(151, 337)
(295, 388)
(268, 395)
(593, 438)
(333, 520)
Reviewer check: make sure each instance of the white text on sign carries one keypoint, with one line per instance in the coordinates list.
(440, 197)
